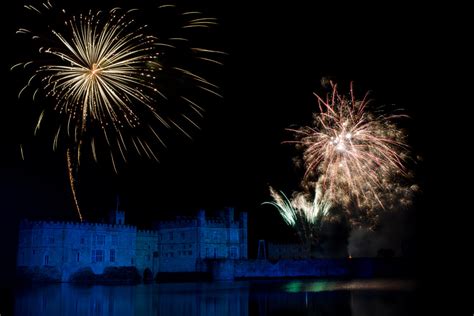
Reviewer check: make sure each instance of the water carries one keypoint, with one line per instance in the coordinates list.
(283, 297)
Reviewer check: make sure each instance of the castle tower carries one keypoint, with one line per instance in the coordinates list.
(201, 223)
(201, 218)
(117, 217)
(229, 216)
(243, 235)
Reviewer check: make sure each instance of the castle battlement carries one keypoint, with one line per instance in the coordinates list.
(215, 222)
(180, 223)
(147, 233)
(27, 224)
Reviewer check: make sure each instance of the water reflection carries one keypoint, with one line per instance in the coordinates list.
(304, 297)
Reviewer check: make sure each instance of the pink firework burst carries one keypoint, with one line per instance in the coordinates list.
(352, 152)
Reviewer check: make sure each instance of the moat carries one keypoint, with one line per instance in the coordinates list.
(249, 297)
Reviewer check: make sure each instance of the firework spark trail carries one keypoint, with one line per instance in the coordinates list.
(99, 74)
(72, 181)
(305, 215)
(106, 76)
(350, 150)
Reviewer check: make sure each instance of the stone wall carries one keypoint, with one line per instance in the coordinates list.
(225, 269)
(70, 246)
(173, 246)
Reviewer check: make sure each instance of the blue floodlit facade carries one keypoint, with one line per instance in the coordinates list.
(180, 245)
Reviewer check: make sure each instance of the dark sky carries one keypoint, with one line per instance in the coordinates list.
(277, 56)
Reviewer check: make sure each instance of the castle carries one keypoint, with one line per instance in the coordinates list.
(181, 245)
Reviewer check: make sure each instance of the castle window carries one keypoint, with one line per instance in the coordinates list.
(114, 240)
(233, 252)
(214, 235)
(46, 260)
(132, 261)
(156, 254)
(112, 255)
(51, 240)
(234, 235)
(100, 239)
(215, 252)
(78, 256)
(33, 251)
(83, 241)
(97, 255)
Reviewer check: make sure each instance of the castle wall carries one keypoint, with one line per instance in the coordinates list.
(71, 246)
(287, 251)
(243, 239)
(146, 247)
(174, 246)
(286, 268)
(178, 248)
(219, 242)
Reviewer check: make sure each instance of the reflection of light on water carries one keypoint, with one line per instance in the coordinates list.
(293, 287)
(325, 285)
(221, 298)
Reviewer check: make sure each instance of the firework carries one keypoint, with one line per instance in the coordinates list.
(108, 79)
(397, 195)
(113, 83)
(305, 215)
(352, 152)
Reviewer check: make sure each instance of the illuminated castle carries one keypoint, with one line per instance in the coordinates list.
(181, 245)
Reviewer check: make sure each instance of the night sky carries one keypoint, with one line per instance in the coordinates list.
(278, 54)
